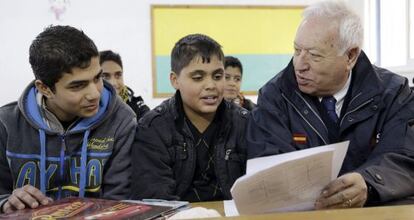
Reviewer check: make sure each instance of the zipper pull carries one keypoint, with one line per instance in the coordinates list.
(185, 147)
(63, 142)
(226, 157)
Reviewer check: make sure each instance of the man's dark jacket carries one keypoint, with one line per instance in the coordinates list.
(376, 121)
(164, 157)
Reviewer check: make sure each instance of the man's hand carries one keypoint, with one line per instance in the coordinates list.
(347, 191)
(25, 197)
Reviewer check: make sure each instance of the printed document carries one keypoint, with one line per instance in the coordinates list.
(287, 182)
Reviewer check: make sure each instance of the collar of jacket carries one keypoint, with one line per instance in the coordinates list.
(365, 82)
(223, 114)
(28, 106)
(131, 94)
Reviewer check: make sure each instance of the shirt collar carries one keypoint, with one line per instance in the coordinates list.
(340, 95)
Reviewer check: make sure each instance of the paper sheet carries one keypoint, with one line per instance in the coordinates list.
(230, 208)
(287, 182)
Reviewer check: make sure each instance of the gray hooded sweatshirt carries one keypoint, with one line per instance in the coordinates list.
(90, 159)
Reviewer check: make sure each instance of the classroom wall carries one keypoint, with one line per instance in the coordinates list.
(123, 26)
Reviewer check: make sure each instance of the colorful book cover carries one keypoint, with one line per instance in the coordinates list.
(88, 208)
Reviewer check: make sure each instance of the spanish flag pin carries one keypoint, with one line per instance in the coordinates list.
(299, 138)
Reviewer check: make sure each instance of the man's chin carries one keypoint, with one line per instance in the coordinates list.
(230, 96)
(307, 90)
(208, 109)
(89, 113)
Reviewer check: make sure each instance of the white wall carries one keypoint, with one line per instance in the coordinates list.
(123, 26)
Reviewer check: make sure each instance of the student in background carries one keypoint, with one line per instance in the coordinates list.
(233, 75)
(112, 68)
(68, 134)
(192, 146)
(331, 92)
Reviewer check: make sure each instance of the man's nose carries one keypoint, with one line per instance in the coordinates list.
(231, 82)
(210, 84)
(93, 93)
(301, 62)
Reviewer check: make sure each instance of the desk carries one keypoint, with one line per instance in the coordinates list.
(378, 213)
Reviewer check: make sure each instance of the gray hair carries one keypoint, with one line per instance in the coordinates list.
(351, 32)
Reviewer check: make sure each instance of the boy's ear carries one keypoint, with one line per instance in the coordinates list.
(43, 88)
(173, 80)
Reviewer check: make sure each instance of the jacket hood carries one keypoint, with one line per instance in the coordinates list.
(31, 111)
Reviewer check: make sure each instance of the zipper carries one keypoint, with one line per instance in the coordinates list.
(62, 163)
(193, 164)
(185, 147)
(303, 117)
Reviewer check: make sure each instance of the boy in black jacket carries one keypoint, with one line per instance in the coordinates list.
(113, 72)
(233, 75)
(191, 147)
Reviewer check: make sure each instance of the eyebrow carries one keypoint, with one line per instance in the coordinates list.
(219, 70)
(198, 72)
(76, 82)
(202, 72)
(310, 48)
(117, 72)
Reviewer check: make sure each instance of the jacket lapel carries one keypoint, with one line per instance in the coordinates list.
(366, 93)
(302, 104)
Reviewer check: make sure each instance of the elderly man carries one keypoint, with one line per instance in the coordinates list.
(330, 92)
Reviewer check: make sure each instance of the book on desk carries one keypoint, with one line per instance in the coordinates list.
(89, 208)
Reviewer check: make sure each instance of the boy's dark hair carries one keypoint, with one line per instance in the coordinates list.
(109, 55)
(233, 62)
(57, 50)
(191, 46)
